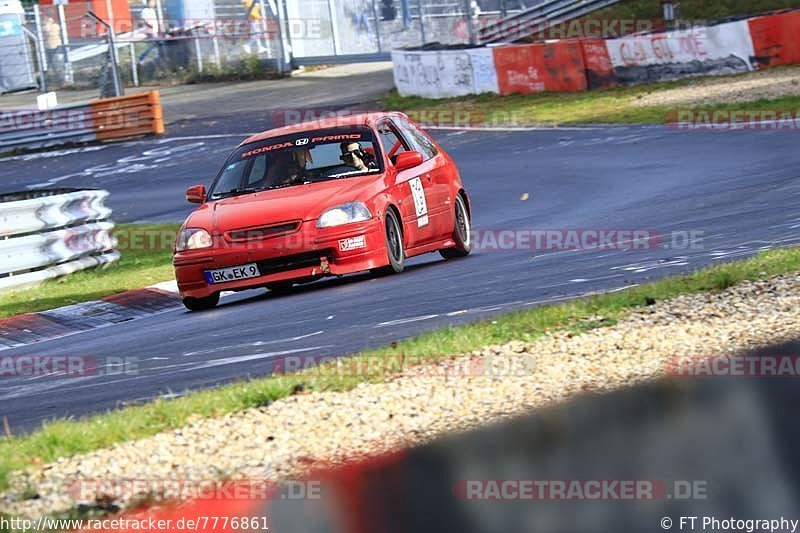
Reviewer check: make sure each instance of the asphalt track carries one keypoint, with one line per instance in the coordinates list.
(741, 189)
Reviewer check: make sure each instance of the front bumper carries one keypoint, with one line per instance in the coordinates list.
(307, 253)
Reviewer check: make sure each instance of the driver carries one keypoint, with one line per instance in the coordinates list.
(353, 155)
(289, 168)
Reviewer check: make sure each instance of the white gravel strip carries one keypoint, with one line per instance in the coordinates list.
(768, 84)
(287, 438)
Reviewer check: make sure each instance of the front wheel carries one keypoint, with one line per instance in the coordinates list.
(462, 234)
(201, 304)
(394, 246)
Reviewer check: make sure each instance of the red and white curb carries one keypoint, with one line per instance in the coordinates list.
(22, 330)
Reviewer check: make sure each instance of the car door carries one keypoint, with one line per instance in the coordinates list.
(413, 187)
(441, 174)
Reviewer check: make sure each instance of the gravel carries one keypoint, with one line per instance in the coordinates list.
(767, 84)
(292, 436)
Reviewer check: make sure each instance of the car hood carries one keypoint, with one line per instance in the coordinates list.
(301, 202)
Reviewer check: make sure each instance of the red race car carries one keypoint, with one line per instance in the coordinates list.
(326, 198)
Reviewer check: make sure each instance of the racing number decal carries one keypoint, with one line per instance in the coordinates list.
(420, 205)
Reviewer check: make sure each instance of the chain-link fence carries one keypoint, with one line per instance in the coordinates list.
(69, 45)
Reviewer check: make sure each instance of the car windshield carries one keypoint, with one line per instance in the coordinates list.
(305, 157)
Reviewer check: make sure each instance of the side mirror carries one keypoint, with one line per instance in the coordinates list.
(405, 160)
(196, 194)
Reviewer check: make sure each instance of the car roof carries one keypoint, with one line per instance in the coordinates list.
(359, 119)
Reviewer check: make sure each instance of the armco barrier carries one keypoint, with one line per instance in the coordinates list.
(47, 234)
(533, 68)
(98, 120)
(776, 38)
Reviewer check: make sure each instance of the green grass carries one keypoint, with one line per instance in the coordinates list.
(696, 10)
(136, 268)
(612, 105)
(63, 438)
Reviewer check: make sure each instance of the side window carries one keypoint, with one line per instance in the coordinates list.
(231, 176)
(419, 141)
(391, 142)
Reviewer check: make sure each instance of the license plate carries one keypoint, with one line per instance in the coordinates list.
(223, 275)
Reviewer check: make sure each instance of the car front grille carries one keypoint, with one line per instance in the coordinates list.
(263, 232)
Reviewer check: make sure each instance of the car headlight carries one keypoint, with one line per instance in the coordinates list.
(193, 239)
(344, 214)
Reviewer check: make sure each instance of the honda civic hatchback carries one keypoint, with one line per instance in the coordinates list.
(325, 198)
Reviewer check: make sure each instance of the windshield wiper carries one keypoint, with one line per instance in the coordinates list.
(284, 185)
(237, 191)
(343, 174)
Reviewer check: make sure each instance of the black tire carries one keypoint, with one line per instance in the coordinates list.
(201, 304)
(462, 232)
(280, 287)
(395, 251)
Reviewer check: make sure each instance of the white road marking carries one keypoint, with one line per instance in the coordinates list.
(200, 365)
(253, 344)
(195, 366)
(406, 320)
(618, 289)
(57, 153)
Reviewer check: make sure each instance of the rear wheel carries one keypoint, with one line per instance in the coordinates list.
(201, 304)
(394, 246)
(462, 234)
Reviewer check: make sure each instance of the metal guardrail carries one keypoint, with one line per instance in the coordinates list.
(48, 234)
(538, 18)
(342, 59)
(97, 120)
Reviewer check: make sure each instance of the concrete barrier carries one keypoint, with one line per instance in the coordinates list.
(712, 50)
(581, 64)
(444, 73)
(599, 70)
(533, 68)
(776, 39)
(48, 234)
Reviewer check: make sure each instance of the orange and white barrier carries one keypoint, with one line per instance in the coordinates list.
(98, 120)
(581, 64)
(705, 50)
(776, 39)
(533, 68)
